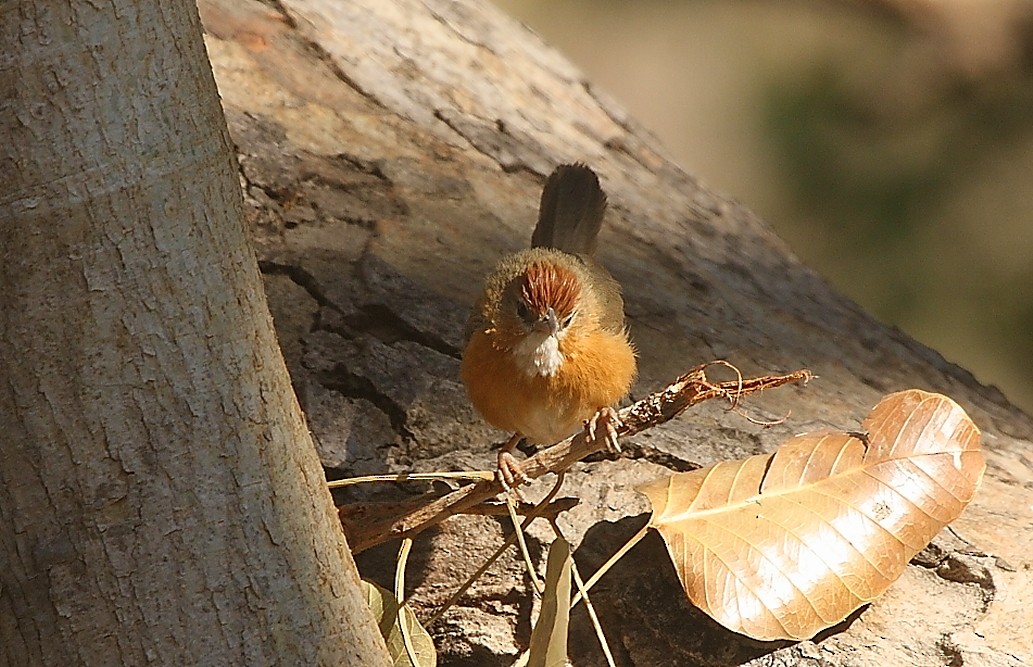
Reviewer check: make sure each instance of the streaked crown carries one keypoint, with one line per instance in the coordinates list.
(548, 285)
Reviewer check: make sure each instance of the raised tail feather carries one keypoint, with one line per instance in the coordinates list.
(571, 211)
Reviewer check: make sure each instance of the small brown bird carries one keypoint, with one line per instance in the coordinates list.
(547, 350)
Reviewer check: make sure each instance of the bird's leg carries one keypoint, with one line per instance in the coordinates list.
(607, 419)
(508, 468)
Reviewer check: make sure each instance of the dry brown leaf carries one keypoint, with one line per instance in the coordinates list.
(549, 637)
(781, 546)
(384, 606)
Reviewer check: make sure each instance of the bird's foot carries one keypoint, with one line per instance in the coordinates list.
(509, 473)
(605, 419)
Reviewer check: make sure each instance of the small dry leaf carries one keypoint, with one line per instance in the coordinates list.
(549, 637)
(384, 606)
(781, 546)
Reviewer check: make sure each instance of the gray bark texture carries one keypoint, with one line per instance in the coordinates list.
(161, 502)
(391, 152)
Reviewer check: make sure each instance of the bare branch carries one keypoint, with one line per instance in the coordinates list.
(659, 407)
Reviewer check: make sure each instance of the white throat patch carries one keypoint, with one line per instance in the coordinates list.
(539, 355)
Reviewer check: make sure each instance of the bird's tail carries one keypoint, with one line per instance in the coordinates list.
(571, 211)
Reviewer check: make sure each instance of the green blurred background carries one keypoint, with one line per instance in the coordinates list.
(890, 142)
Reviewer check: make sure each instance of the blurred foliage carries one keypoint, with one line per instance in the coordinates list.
(871, 179)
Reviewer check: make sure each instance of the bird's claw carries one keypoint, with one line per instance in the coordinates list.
(509, 473)
(606, 418)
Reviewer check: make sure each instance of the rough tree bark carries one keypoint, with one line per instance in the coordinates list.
(160, 498)
(392, 151)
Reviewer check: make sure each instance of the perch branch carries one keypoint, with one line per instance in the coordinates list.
(690, 389)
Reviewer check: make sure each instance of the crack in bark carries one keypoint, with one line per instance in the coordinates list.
(951, 653)
(356, 323)
(352, 385)
(340, 379)
(380, 321)
(440, 18)
(275, 195)
(503, 147)
(959, 566)
(371, 167)
(324, 56)
(301, 278)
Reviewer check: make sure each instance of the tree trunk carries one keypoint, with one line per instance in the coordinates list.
(392, 152)
(160, 498)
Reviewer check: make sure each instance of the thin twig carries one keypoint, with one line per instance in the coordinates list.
(605, 567)
(538, 510)
(403, 622)
(764, 422)
(354, 516)
(690, 389)
(536, 582)
(475, 475)
(733, 399)
(603, 644)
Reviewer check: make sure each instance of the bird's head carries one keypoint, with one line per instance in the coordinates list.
(541, 314)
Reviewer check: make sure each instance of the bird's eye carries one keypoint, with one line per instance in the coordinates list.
(567, 320)
(523, 311)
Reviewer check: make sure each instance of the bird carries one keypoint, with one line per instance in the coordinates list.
(547, 351)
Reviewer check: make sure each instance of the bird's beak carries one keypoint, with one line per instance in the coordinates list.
(548, 324)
